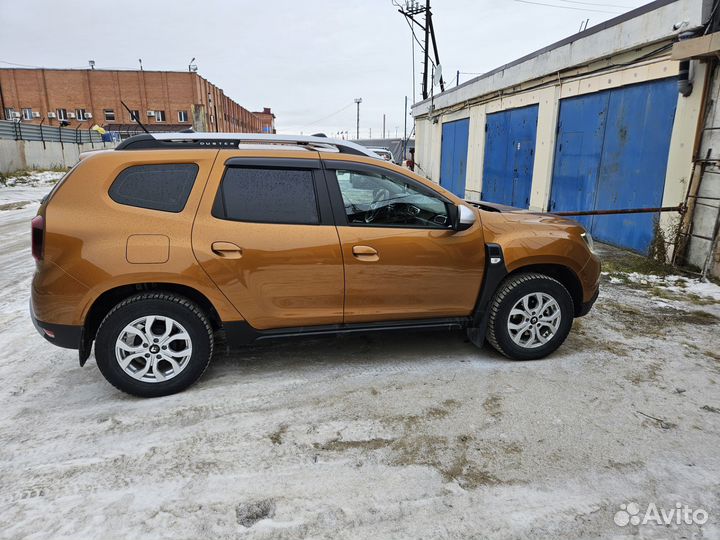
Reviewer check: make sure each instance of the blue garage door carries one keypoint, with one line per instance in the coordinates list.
(509, 156)
(453, 156)
(611, 153)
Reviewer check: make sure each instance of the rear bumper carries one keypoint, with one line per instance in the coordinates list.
(62, 335)
(587, 306)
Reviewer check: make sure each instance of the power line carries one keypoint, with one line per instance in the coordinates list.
(595, 4)
(568, 7)
(329, 115)
(35, 67)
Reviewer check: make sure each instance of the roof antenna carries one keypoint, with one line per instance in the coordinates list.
(134, 117)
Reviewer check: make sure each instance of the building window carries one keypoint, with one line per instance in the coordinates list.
(182, 116)
(9, 113)
(80, 114)
(159, 116)
(61, 114)
(109, 115)
(134, 116)
(27, 114)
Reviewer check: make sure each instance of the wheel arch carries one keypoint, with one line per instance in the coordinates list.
(564, 274)
(102, 305)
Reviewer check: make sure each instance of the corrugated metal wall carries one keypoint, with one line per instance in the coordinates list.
(18, 131)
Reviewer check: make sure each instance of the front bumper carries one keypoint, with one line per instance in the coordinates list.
(61, 335)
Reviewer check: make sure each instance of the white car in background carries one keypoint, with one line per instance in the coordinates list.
(384, 153)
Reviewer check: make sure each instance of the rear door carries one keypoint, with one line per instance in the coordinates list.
(264, 233)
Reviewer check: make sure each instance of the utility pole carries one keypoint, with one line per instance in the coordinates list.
(358, 101)
(383, 125)
(426, 54)
(428, 22)
(404, 145)
(411, 10)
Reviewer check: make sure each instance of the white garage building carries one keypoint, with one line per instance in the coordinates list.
(602, 120)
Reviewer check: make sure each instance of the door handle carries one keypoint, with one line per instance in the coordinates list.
(365, 253)
(228, 250)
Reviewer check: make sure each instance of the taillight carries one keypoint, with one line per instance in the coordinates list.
(38, 237)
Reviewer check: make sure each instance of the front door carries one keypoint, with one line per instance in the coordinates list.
(402, 258)
(264, 233)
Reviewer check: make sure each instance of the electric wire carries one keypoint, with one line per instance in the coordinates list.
(568, 7)
(595, 4)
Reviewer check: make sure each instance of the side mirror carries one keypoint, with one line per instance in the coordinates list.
(465, 218)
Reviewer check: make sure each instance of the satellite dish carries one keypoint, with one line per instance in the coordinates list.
(437, 75)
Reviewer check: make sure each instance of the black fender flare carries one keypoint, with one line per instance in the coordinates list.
(495, 272)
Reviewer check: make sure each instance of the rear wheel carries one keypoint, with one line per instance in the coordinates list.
(530, 316)
(154, 344)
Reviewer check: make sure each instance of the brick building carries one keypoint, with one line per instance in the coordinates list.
(163, 100)
(267, 120)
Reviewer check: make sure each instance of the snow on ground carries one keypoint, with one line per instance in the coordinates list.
(401, 436)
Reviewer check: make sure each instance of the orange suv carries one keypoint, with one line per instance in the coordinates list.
(150, 249)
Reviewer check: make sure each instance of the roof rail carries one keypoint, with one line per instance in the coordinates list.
(235, 140)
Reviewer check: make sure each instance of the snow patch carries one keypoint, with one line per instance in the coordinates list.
(681, 285)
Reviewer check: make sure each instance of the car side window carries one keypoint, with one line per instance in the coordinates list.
(163, 187)
(267, 195)
(377, 200)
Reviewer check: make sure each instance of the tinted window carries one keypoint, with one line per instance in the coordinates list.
(267, 196)
(374, 199)
(157, 187)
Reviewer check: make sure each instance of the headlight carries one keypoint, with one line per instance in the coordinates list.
(588, 240)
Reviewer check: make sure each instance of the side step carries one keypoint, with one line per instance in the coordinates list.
(241, 333)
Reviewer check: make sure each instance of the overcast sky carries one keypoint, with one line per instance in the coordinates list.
(307, 60)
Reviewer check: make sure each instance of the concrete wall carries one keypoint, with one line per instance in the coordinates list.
(703, 250)
(20, 155)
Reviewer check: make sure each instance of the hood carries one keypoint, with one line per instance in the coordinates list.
(514, 214)
(495, 207)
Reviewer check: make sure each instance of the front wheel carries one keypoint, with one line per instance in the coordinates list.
(530, 316)
(154, 344)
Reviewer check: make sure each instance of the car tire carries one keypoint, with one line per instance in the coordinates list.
(154, 344)
(530, 316)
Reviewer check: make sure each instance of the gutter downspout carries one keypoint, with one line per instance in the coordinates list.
(685, 85)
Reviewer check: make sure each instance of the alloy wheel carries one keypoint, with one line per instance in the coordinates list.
(534, 320)
(153, 348)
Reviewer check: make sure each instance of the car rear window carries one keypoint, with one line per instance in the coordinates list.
(267, 195)
(163, 187)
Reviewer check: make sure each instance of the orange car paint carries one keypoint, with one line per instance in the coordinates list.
(275, 275)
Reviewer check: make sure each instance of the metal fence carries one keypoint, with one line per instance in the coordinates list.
(18, 131)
